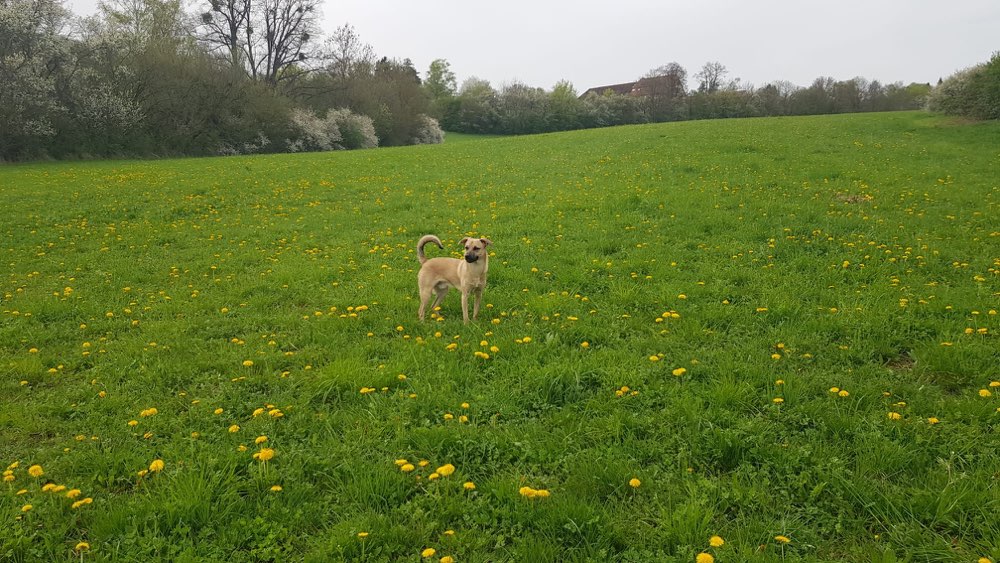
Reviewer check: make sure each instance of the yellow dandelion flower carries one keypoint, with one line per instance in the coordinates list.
(264, 455)
(407, 467)
(156, 465)
(36, 471)
(26, 508)
(80, 503)
(82, 546)
(985, 393)
(716, 541)
(782, 539)
(258, 412)
(48, 487)
(218, 411)
(777, 400)
(362, 535)
(73, 493)
(654, 358)
(469, 486)
(634, 483)
(447, 559)
(234, 428)
(276, 488)
(704, 558)
(679, 371)
(429, 552)
(894, 415)
(844, 393)
(247, 363)
(446, 469)
(260, 440)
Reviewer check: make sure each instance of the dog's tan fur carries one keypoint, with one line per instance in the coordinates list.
(438, 275)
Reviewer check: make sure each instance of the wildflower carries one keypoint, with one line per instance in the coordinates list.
(362, 535)
(148, 412)
(82, 546)
(276, 488)
(782, 539)
(894, 415)
(449, 532)
(247, 363)
(777, 400)
(933, 420)
(716, 541)
(218, 411)
(844, 393)
(73, 493)
(704, 558)
(399, 462)
(469, 486)
(260, 440)
(58, 488)
(234, 428)
(26, 508)
(585, 344)
(448, 416)
(48, 487)
(433, 476)
(423, 463)
(8, 476)
(654, 358)
(258, 412)
(429, 552)
(141, 473)
(679, 371)
(407, 467)
(465, 405)
(984, 560)
(36, 471)
(779, 381)
(447, 559)
(634, 483)
(80, 503)
(446, 469)
(985, 393)
(775, 356)
(264, 455)
(156, 466)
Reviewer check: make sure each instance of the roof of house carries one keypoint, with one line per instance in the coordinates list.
(622, 89)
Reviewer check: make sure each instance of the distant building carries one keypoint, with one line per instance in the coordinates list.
(625, 89)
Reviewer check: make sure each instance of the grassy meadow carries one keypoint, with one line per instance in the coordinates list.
(782, 332)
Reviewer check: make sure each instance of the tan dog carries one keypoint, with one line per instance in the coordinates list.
(438, 275)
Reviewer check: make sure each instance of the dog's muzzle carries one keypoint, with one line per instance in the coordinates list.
(470, 258)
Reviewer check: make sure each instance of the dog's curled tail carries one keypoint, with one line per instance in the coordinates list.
(424, 240)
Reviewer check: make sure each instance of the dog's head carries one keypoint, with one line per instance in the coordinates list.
(475, 248)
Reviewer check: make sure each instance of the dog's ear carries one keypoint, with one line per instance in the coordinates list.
(486, 241)
(462, 242)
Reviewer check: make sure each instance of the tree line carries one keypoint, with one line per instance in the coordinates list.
(147, 77)
(151, 77)
(663, 94)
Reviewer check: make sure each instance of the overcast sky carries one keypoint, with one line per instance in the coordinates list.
(593, 43)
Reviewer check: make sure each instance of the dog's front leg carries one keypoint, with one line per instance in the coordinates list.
(475, 308)
(465, 306)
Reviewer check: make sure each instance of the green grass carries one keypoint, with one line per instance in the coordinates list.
(453, 138)
(841, 251)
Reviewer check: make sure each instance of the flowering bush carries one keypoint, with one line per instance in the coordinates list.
(429, 132)
(357, 131)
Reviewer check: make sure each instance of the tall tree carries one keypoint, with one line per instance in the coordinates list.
(710, 77)
(664, 89)
(440, 81)
(266, 37)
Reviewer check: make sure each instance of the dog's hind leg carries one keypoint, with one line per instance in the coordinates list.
(425, 296)
(465, 307)
(440, 297)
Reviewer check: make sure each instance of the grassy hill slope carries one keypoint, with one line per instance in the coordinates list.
(781, 328)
